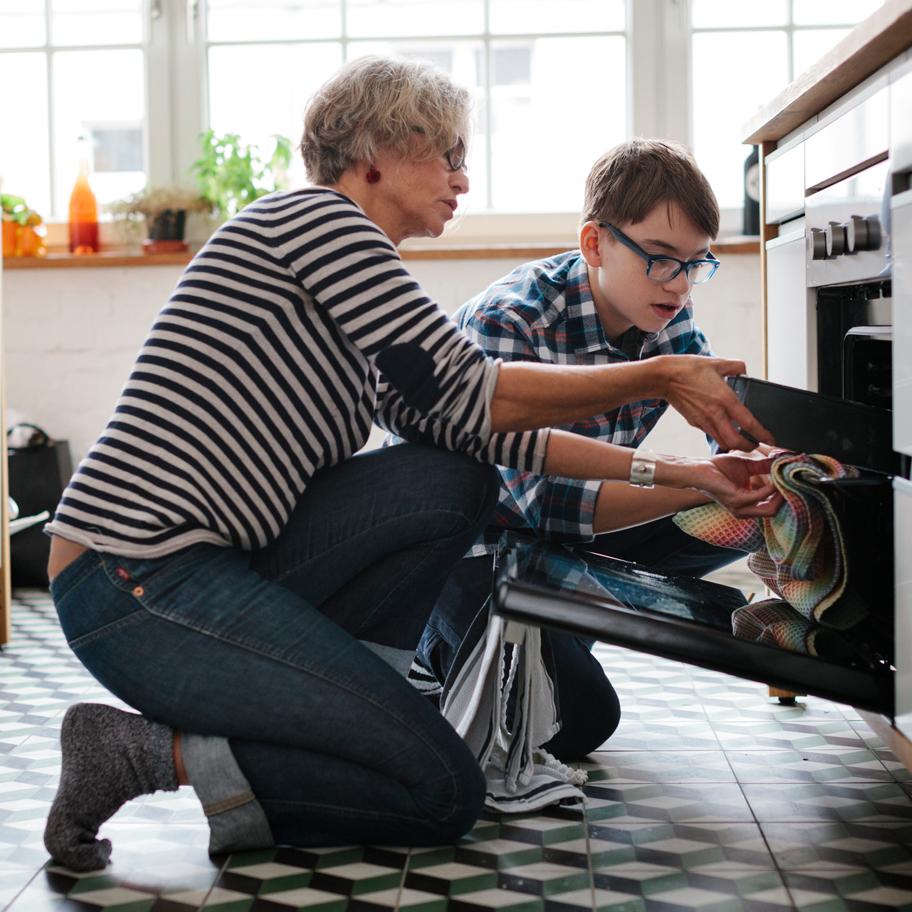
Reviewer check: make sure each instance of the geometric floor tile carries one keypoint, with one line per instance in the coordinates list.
(495, 899)
(691, 845)
(659, 766)
(847, 800)
(850, 889)
(668, 735)
(541, 830)
(451, 878)
(639, 878)
(545, 878)
(710, 796)
(838, 843)
(822, 764)
(666, 801)
(787, 734)
(500, 853)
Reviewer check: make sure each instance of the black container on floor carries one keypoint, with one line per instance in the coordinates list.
(37, 476)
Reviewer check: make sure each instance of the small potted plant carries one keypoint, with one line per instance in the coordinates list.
(164, 211)
(230, 173)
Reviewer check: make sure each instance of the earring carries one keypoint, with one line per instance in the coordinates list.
(373, 175)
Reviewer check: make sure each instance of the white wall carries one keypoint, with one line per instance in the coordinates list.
(71, 335)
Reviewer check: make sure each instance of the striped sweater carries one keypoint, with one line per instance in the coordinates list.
(290, 331)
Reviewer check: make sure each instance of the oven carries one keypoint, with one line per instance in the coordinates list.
(848, 274)
(690, 620)
(855, 232)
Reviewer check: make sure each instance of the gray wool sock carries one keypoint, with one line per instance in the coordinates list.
(109, 757)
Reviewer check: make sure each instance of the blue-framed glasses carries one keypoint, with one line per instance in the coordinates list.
(665, 268)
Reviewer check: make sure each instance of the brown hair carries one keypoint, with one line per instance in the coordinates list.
(378, 103)
(628, 181)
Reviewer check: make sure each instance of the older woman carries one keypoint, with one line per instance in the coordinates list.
(221, 562)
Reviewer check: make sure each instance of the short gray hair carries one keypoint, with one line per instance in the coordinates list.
(378, 103)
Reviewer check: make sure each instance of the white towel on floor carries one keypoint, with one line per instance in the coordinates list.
(521, 775)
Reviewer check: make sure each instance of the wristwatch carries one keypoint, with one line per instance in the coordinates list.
(643, 469)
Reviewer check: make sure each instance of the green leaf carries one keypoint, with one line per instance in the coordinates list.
(231, 174)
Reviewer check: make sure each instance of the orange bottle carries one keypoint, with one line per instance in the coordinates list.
(83, 214)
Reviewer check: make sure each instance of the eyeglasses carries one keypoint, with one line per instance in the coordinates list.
(456, 156)
(666, 268)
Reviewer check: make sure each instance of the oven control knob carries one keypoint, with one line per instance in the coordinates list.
(862, 233)
(816, 243)
(835, 240)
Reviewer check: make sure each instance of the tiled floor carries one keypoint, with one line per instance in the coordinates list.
(709, 796)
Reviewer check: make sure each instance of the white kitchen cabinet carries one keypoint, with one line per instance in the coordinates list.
(902, 504)
(790, 313)
(902, 322)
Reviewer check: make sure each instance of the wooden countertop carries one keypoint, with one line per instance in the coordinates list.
(885, 34)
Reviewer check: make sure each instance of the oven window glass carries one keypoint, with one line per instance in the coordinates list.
(622, 586)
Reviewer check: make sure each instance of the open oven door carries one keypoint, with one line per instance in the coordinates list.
(689, 619)
(675, 617)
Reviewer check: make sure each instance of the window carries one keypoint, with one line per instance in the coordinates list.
(535, 135)
(742, 55)
(554, 84)
(71, 70)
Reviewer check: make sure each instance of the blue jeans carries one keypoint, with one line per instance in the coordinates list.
(588, 704)
(277, 654)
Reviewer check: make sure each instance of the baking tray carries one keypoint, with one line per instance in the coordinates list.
(851, 432)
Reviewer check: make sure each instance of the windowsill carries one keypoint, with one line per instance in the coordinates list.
(133, 256)
(113, 256)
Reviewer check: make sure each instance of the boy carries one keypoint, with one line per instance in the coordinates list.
(649, 217)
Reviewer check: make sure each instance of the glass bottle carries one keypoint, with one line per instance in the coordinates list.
(83, 213)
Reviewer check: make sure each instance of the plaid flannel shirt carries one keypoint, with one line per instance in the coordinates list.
(543, 311)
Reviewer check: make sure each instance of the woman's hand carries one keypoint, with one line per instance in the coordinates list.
(738, 482)
(695, 387)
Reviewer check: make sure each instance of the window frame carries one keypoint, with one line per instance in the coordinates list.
(658, 36)
(49, 49)
(730, 221)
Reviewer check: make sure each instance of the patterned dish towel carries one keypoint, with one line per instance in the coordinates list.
(776, 623)
(800, 552)
(521, 775)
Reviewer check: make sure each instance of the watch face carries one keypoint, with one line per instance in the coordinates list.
(752, 182)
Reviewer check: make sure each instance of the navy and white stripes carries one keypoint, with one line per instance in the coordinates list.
(263, 367)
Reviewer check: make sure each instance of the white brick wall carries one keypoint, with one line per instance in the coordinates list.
(71, 334)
